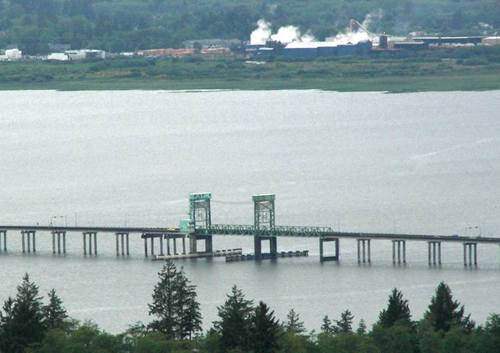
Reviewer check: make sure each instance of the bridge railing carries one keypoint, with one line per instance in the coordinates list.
(240, 229)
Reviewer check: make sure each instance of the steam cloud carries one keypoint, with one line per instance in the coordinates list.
(290, 34)
(360, 34)
(287, 34)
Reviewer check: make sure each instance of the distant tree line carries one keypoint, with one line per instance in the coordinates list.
(27, 325)
(125, 25)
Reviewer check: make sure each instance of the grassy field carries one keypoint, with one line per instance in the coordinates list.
(391, 75)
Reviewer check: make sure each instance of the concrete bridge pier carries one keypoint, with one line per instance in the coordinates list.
(434, 249)
(399, 256)
(3, 240)
(92, 243)
(193, 242)
(470, 249)
(322, 256)
(122, 244)
(365, 244)
(61, 236)
(273, 246)
(28, 240)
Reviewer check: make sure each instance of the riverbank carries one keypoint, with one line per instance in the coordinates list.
(364, 74)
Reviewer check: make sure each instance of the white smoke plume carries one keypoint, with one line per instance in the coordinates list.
(262, 33)
(372, 18)
(359, 35)
(287, 34)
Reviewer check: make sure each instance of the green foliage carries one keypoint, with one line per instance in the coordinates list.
(344, 325)
(54, 312)
(361, 328)
(326, 326)
(85, 339)
(290, 342)
(346, 343)
(444, 312)
(22, 320)
(265, 330)
(235, 322)
(241, 328)
(124, 25)
(395, 339)
(175, 308)
(397, 310)
(294, 324)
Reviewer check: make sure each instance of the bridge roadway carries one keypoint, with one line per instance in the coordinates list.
(50, 228)
(249, 230)
(262, 233)
(317, 232)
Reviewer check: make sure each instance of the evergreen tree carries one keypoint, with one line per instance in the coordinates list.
(294, 324)
(327, 327)
(265, 330)
(344, 325)
(21, 323)
(54, 312)
(188, 307)
(444, 312)
(361, 328)
(234, 325)
(397, 310)
(174, 305)
(163, 306)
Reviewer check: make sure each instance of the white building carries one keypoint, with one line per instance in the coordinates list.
(83, 54)
(491, 41)
(13, 54)
(58, 57)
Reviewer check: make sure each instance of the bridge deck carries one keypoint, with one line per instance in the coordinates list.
(249, 230)
(90, 229)
(316, 232)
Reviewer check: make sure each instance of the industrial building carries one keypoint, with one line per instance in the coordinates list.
(12, 55)
(309, 50)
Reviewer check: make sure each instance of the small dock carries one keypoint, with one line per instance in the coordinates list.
(200, 255)
(268, 256)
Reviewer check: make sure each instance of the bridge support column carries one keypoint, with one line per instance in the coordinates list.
(470, 249)
(434, 253)
(184, 244)
(61, 235)
(145, 246)
(322, 256)
(401, 251)
(92, 243)
(161, 245)
(193, 242)
(175, 245)
(122, 244)
(365, 245)
(273, 247)
(3, 240)
(28, 240)
(209, 244)
(23, 244)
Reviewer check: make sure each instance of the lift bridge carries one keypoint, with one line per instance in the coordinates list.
(199, 228)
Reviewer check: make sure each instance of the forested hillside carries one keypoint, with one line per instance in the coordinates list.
(119, 25)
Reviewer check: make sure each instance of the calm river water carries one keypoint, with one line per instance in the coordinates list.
(420, 162)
